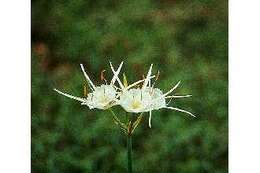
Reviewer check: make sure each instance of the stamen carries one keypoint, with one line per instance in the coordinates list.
(157, 75)
(151, 91)
(125, 80)
(102, 76)
(169, 101)
(85, 92)
(156, 78)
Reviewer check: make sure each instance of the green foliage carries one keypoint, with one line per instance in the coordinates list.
(185, 40)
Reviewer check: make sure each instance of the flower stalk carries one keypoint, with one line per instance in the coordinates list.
(128, 128)
(129, 153)
(129, 142)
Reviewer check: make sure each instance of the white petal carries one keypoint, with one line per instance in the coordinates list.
(147, 77)
(137, 82)
(116, 76)
(92, 86)
(150, 119)
(71, 96)
(178, 96)
(180, 110)
(171, 90)
(116, 73)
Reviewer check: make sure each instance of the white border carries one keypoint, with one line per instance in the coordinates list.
(15, 86)
(244, 86)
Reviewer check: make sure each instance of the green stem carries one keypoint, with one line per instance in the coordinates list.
(129, 152)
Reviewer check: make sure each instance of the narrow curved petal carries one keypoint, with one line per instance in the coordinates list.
(117, 88)
(171, 90)
(180, 110)
(116, 75)
(70, 96)
(167, 97)
(92, 86)
(150, 119)
(147, 79)
(137, 82)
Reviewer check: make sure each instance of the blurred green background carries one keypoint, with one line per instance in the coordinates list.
(186, 40)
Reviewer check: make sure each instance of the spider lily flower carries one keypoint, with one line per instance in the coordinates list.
(100, 97)
(147, 98)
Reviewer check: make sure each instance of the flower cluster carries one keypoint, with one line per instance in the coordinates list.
(138, 97)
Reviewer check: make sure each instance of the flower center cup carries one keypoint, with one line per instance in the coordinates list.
(104, 100)
(136, 104)
(102, 97)
(135, 100)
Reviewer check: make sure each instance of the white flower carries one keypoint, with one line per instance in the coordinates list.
(135, 100)
(148, 98)
(101, 97)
